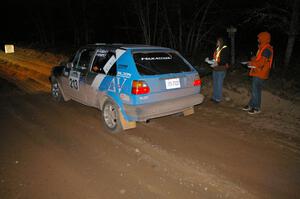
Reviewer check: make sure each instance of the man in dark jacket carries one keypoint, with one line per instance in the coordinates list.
(220, 65)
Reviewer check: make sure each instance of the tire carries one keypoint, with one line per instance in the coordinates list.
(111, 117)
(55, 91)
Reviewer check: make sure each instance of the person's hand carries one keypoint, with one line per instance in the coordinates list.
(214, 64)
(95, 68)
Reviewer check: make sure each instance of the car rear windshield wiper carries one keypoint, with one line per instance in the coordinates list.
(154, 72)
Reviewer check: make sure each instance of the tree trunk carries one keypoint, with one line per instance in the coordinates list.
(154, 37)
(200, 27)
(292, 34)
(171, 37)
(180, 31)
(191, 32)
(142, 15)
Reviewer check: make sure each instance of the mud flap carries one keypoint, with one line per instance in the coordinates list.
(188, 111)
(63, 94)
(53, 79)
(126, 124)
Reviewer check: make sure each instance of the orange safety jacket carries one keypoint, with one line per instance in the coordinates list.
(262, 64)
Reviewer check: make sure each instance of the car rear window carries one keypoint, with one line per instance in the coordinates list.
(155, 63)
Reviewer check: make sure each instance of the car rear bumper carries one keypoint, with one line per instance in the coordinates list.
(159, 109)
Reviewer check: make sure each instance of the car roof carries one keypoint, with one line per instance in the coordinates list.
(128, 46)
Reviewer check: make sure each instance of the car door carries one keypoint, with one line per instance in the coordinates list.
(104, 81)
(77, 86)
(95, 76)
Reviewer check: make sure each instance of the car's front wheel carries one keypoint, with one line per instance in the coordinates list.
(111, 117)
(55, 91)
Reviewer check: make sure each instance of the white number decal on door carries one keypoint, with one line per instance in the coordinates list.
(74, 80)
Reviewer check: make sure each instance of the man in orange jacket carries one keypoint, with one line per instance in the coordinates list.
(260, 67)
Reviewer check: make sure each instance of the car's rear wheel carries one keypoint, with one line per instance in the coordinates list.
(111, 117)
(55, 91)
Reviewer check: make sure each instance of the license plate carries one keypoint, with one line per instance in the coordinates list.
(172, 83)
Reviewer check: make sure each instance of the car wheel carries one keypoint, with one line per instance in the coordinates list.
(111, 117)
(55, 91)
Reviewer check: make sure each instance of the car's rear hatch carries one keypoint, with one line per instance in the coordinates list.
(167, 76)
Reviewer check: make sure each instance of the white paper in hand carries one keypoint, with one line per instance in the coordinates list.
(209, 61)
(251, 67)
(215, 63)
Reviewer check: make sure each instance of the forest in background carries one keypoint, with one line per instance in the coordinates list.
(191, 26)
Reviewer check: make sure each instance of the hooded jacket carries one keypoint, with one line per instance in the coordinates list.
(264, 57)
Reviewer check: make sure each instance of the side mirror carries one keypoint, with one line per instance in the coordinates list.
(69, 65)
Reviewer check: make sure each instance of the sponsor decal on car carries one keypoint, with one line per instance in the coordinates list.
(155, 58)
(97, 81)
(117, 84)
(124, 74)
(112, 60)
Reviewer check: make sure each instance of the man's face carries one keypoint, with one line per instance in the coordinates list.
(218, 43)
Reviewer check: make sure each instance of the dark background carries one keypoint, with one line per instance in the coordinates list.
(188, 26)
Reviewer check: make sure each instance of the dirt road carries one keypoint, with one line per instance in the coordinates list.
(62, 150)
(51, 150)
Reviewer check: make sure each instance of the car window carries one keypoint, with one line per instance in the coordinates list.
(101, 58)
(155, 63)
(113, 70)
(84, 60)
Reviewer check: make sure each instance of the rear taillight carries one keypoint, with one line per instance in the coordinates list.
(139, 87)
(197, 81)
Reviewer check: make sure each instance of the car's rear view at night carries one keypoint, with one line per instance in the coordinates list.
(128, 83)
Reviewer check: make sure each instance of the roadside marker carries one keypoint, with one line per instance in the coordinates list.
(9, 48)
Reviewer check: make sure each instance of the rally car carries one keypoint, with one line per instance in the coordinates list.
(128, 83)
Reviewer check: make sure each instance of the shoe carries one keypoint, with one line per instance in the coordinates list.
(246, 108)
(254, 111)
(214, 101)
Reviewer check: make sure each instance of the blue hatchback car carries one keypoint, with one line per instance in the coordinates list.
(128, 83)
